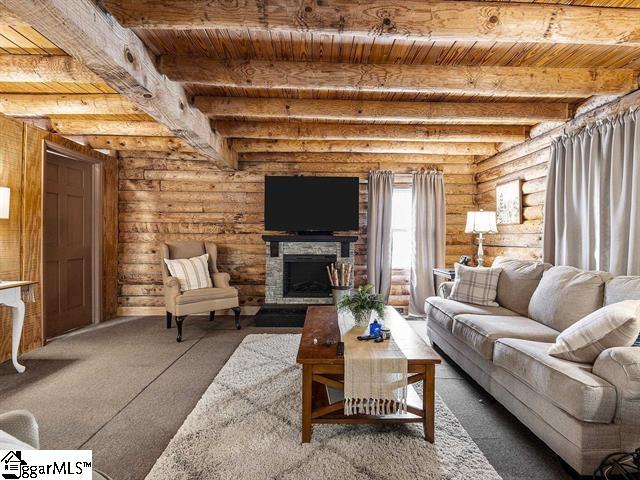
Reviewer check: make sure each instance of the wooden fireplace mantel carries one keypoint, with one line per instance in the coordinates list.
(275, 240)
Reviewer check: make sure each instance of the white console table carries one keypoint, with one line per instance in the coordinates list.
(11, 295)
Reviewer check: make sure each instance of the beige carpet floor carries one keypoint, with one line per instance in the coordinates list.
(125, 389)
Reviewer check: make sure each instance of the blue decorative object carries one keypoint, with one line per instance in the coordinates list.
(375, 329)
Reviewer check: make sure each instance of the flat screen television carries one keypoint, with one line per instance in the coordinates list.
(311, 204)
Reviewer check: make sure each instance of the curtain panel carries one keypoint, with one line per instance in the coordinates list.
(592, 206)
(379, 238)
(429, 237)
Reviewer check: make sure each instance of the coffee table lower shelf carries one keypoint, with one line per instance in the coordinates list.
(317, 408)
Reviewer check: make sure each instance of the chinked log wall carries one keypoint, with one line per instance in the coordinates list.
(178, 197)
(529, 161)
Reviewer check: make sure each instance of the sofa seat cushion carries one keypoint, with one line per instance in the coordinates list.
(442, 311)
(480, 332)
(204, 294)
(568, 385)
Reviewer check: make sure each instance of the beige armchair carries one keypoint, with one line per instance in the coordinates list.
(201, 300)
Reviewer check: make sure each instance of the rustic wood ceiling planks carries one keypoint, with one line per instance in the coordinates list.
(495, 64)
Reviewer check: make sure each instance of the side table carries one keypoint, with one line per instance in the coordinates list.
(11, 294)
(449, 274)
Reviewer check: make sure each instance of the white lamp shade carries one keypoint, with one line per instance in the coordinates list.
(5, 194)
(481, 222)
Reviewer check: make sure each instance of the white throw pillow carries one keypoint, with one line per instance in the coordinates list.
(477, 285)
(192, 273)
(616, 325)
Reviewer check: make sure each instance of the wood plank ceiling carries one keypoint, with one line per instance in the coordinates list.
(505, 65)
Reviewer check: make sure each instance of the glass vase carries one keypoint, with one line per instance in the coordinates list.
(362, 318)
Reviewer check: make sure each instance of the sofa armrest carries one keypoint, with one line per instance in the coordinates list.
(22, 425)
(620, 366)
(444, 290)
(221, 280)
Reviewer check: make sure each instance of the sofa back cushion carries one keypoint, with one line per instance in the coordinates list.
(616, 325)
(621, 288)
(518, 280)
(565, 295)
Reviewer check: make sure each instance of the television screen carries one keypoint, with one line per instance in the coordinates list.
(311, 204)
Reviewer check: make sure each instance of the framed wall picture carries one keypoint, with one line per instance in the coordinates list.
(509, 202)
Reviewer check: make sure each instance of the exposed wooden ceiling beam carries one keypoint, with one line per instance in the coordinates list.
(410, 19)
(345, 131)
(119, 57)
(320, 157)
(445, 148)
(44, 68)
(367, 111)
(289, 164)
(151, 144)
(457, 80)
(26, 105)
(8, 18)
(73, 126)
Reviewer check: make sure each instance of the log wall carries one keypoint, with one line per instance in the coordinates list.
(21, 168)
(178, 196)
(524, 240)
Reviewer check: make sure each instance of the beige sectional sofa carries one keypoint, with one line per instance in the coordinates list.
(582, 411)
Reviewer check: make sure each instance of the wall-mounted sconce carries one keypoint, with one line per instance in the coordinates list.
(5, 196)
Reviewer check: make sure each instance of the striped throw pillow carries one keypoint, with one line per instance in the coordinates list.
(192, 273)
(616, 325)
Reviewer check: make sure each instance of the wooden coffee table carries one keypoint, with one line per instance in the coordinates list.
(322, 367)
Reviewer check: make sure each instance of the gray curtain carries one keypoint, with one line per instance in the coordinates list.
(379, 232)
(592, 207)
(429, 237)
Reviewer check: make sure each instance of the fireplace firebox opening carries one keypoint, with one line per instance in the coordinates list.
(306, 275)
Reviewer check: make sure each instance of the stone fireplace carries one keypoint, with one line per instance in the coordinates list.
(296, 267)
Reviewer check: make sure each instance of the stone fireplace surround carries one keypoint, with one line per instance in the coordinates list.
(342, 247)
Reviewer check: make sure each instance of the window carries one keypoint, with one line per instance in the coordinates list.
(401, 228)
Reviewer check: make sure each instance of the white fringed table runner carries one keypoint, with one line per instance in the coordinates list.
(375, 374)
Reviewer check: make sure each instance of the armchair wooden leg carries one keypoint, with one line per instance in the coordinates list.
(169, 320)
(212, 315)
(236, 312)
(179, 321)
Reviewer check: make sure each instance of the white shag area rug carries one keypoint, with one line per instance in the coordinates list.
(246, 426)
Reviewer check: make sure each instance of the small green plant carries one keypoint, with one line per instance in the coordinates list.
(362, 302)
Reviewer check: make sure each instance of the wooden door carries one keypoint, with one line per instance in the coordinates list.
(68, 217)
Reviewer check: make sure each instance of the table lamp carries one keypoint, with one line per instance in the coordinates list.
(481, 222)
(5, 194)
